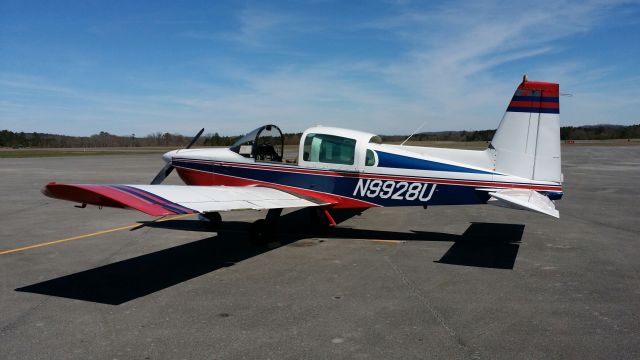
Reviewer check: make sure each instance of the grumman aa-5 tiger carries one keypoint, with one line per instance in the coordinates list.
(340, 168)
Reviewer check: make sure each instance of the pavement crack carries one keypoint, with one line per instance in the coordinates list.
(436, 314)
(28, 312)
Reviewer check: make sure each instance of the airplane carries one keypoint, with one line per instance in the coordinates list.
(339, 168)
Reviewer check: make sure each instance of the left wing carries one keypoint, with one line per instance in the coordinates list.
(161, 200)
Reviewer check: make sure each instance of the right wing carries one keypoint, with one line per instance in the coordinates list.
(161, 200)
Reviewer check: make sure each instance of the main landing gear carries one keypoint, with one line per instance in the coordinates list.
(262, 231)
(265, 230)
(213, 220)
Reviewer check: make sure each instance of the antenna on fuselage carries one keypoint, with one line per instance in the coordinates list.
(413, 133)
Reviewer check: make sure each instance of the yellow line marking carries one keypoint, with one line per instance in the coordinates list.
(387, 241)
(381, 241)
(84, 236)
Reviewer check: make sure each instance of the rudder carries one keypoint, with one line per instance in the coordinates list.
(527, 142)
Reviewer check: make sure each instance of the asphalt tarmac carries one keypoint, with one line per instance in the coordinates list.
(445, 282)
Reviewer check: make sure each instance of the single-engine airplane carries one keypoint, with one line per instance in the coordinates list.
(339, 168)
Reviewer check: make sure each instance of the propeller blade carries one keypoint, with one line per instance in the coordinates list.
(195, 138)
(164, 172)
(168, 168)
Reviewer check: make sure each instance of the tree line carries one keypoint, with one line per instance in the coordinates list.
(474, 135)
(600, 132)
(104, 139)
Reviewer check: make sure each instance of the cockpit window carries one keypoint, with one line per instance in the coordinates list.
(248, 139)
(329, 149)
(265, 143)
(370, 159)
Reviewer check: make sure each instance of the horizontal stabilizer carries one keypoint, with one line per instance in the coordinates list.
(522, 199)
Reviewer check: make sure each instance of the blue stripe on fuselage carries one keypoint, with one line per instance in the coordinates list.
(345, 186)
(405, 162)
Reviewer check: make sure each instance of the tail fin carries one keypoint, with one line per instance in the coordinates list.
(527, 142)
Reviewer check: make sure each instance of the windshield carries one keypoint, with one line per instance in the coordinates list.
(265, 143)
(248, 139)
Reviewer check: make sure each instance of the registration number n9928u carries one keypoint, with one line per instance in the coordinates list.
(395, 190)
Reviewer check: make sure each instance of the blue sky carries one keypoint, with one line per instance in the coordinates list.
(80, 67)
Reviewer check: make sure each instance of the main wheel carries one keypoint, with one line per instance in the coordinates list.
(318, 221)
(261, 233)
(212, 219)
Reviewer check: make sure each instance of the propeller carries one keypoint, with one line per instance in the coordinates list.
(168, 168)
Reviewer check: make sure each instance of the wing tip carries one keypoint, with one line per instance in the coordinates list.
(103, 195)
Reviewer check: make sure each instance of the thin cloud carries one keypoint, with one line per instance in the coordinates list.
(255, 26)
(259, 30)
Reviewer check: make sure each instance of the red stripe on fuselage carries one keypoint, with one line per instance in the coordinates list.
(289, 169)
(464, 182)
(282, 168)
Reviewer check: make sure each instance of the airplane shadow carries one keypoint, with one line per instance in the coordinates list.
(487, 245)
(481, 245)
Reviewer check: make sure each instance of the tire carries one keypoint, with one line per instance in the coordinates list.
(261, 233)
(213, 220)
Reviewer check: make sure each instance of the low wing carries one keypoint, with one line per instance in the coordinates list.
(161, 200)
(523, 199)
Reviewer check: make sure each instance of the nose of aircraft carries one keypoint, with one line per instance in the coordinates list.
(168, 156)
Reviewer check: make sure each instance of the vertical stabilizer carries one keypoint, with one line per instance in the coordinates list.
(527, 142)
